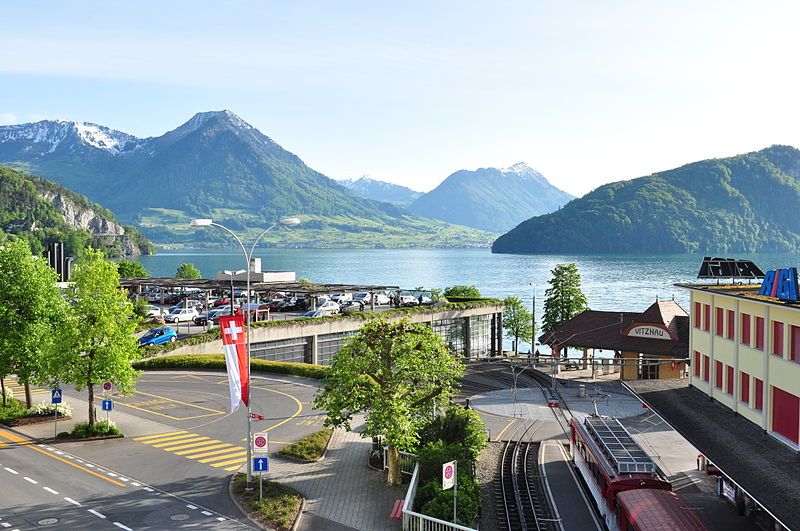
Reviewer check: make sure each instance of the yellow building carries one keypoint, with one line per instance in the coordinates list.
(745, 354)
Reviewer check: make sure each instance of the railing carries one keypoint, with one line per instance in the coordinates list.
(407, 461)
(419, 522)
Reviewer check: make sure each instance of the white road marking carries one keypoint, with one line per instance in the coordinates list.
(207, 513)
(136, 484)
(99, 515)
(126, 528)
(12, 471)
(123, 479)
(90, 465)
(190, 506)
(29, 480)
(5, 524)
(221, 519)
(148, 489)
(51, 491)
(113, 475)
(59, 452)
(73, 502)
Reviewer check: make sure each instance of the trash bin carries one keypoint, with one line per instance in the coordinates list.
(581, 390)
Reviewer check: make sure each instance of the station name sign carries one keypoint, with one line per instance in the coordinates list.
(729, 268)
(780, 283)
(649, 332)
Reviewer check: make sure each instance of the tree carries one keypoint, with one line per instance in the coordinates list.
(391, 371)
(518, 322)
(131, 269)
(462, 291)
(99, 345)
(31, 312)
(187, 271)
(564, 298)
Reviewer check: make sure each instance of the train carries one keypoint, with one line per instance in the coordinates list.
(624, 481)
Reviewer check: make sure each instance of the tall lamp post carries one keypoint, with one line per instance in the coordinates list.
(533, 318)
(286, 222)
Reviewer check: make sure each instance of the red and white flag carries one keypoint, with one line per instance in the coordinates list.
(235, 346)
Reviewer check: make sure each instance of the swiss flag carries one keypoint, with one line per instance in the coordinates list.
(234, 343)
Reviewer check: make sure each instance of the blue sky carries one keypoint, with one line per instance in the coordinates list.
(587, 92)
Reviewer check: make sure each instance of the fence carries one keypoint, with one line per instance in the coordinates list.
(407, 461)
(413, 521)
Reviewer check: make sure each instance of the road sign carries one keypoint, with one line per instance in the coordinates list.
(256, 416)
(261, 442)
(108, 405)
(448, 475)
(261, 464)
(107, 387)
(55, 395)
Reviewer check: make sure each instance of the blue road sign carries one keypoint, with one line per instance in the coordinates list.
(108, 405)
(55, 395)
(261, 464)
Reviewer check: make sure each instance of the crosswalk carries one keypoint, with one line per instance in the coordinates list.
(19, 390)
(199, 448)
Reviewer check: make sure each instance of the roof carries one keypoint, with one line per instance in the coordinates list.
(740, 291)
(604, 330)
(659, 510)
(261, 287)
(624, 453)
(762, 466)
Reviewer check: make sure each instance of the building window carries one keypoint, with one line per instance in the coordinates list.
(706, 317)
(329, 344)
(760, 333)
(744, 387)
(719, 324)
(745, 332)
(294, 350)
(777, 338)
(696, 364)
(706, 368)
(794, 353)
(453, 332)
(729, 380)
(731, 324)
(718, 374)
(698, 314)
(759, 398)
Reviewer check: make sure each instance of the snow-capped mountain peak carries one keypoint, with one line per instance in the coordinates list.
(48, 135)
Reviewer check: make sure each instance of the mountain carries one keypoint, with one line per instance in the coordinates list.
(214, 165)
(490, 198)
(42, 211)
(381, 191)
(747, 203)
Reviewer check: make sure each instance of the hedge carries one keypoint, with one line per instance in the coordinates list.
(217, 361)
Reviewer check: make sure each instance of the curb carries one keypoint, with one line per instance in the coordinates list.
(239, 506)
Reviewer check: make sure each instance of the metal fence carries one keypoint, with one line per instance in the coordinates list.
(413, 521)
(407, 461)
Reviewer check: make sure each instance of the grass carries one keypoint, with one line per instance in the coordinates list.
(14, 410)
(310, 447)
(278, 509)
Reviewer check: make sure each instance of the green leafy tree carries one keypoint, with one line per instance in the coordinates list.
(32, 311)
(391, 371)
(131, 269)
(518, 322)
(99, 345)
(187, 271)
(462, 291)
(564, 298)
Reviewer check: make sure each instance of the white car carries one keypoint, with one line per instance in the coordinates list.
(316, 313)
(154, 311)
(329, 306)
(190, 303)
(408, 300)
(341, 297)
(181, 315)
(379, 298)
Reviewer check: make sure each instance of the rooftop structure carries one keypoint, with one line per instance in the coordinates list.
(618, 446)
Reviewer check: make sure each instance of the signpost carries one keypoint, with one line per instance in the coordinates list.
(256, 416)
(260, 464)
(108, 405)
(55, 398)
(261, 442)
(107, 387)
(450, 481)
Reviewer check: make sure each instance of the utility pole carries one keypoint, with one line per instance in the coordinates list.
(533, 319)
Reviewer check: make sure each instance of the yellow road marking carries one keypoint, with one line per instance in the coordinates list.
(203, 440)
(158, 435)
(212, 413)
(284, 421)
(237, 454)
(193, 454)
(178, 439)
(235, 467)
(510, 422)
(165, 415)
(183, 403)
(27, 442)
(226, 463)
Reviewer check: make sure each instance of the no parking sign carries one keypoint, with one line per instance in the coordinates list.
(261, 442)
(448, 475)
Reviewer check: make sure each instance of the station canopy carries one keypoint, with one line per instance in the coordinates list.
(306, 288)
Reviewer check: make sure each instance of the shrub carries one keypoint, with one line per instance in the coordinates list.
(432, 455)
(458, 426)
(102, 428)
(309, 447)
(279, 507)
(14, 410)
(440, 502)
(217, 361)
(462, 291)
(44, 409)
(9, 394)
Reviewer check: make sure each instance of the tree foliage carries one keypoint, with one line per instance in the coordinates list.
(32, 311)
(517, 321)
(391, 371)
(131, 269)
(187, 271)
(564, 298)
(462, 291)
(98, 345)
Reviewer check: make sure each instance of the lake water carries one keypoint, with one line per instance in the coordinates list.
(610, 282)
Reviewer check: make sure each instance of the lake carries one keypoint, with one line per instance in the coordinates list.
(610, 282)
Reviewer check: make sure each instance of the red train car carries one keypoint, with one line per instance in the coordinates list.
(655, 510)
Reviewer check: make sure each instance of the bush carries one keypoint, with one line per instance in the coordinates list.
(280, 505)
(9, 394)
(102, 428)
(45, 409)
(439, 503)
(309, 447)
(458, 426)
(462, 291)
(14, 410)
(217, 361)
(431, 456)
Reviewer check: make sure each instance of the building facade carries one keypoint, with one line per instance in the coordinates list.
(745, 354)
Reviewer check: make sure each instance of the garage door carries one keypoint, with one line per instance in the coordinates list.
(785, 414)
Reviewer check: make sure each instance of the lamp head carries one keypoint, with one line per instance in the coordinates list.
(201, 222)
(290, 222)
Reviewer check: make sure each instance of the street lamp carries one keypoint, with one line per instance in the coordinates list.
(207, 222)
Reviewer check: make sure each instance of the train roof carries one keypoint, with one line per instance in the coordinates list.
(659, 510)
(623, 453)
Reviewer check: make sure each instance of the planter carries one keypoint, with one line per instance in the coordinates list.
(72, 438)
(32, 419)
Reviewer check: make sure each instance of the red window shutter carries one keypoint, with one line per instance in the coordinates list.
(745, 333)
(744, 387)
(760, 333)
(794, 353)
(731, 323)
(706, 317)
(759, 398)
(719, 324)
(729, 380)
(696, 363)
(777, 338)
(718, 374)
(698, 314)
(706, 368)
(785, 414)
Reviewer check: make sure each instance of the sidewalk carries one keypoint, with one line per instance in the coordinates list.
(342, 490)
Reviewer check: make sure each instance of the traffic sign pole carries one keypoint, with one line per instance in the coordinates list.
(455, 489)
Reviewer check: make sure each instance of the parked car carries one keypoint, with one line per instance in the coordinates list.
(203, 318)
(223, 312)
(408, 300)
(181, 315)
(191, 303)
(154, 311)
(293, 304)
(339, 298)
(329, 306)
(158, 336)
(222, 301)
(379, 298)
(352, 306)
(316, 313)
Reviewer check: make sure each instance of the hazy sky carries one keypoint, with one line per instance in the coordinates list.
(408, 92)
